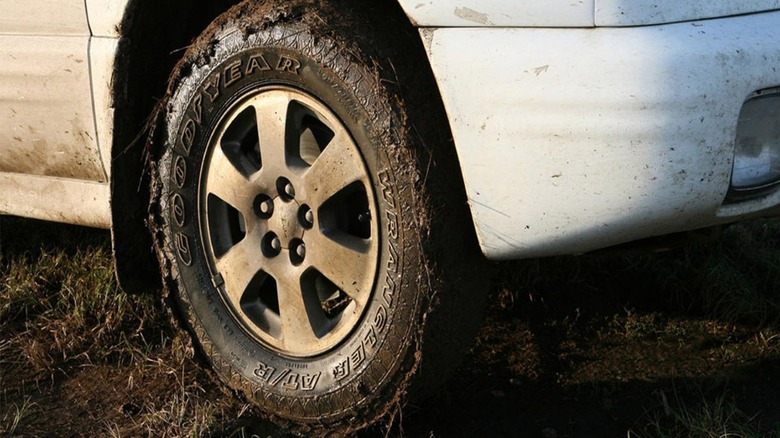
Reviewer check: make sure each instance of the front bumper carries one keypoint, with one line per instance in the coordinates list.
(572, 140)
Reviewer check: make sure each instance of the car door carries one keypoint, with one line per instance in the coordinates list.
(47, 124)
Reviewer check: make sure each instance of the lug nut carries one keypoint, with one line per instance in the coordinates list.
(306, 216)
(285, 189)
(301, 251)
(297, 252)
(266, 206)
(271, 245)
(289, 190)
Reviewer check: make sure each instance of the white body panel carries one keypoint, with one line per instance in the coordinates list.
(569, 139)
(43, 17)
(47, 124)
(55, 199)
(640, 12)
(579, 139)
(105, 17)
(102, 52)
(52, 163)
(487, 13)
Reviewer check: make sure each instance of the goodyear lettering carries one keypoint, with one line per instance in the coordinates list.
(232, 73)
(177, 210)
(197, 109)
(179, 171)
(212, 87)
(257, 63)
(188, 136)
(182, 243)
(290, 65)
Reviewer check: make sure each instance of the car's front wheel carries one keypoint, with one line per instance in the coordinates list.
(297, 213)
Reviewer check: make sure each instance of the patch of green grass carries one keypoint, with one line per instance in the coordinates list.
(57, 307)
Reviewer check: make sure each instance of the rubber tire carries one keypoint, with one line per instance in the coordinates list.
(428, 293)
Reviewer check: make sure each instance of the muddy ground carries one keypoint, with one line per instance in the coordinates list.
(610, 345)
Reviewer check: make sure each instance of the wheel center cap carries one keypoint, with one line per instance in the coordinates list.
(285, 221)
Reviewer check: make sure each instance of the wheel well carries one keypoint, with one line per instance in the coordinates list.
(155, 36)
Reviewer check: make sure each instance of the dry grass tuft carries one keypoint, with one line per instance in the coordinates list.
(710, 418)
(77, 354)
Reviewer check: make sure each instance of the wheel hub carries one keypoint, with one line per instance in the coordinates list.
(287, 206)
(285, 221)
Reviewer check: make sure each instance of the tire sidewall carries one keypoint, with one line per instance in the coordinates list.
(364, 365)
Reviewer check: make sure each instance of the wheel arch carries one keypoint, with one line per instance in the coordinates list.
(154, 37)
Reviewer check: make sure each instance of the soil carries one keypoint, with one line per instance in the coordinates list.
(592, 359)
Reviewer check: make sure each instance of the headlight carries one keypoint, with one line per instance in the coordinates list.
(757, 155)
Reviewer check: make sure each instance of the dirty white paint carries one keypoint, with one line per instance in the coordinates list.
(50, 161)
(641, 12)
(47, 125)
(498, 13)
(43, 17)
(105, 17)
(578, 139)
(55, 199)
(572, 13)
(102, 55)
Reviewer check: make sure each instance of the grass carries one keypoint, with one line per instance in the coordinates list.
(700, 313)
(63, 319)
(734, 276)
(717, 418)
(15, 415)
(75, 352)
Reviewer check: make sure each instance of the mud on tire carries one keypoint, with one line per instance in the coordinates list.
(316, 242)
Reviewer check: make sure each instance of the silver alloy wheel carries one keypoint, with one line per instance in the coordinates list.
(287, 221)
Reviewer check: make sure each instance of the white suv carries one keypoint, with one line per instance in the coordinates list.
(315, 179)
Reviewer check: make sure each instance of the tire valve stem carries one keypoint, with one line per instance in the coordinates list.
(364, 217)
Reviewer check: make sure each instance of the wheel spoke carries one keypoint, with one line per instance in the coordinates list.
(347, 262)
(337, 167)
(297, 331)
(238, 266)
(228, 184)
(271, 112)
(288, 204)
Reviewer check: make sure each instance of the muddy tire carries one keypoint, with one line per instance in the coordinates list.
(318, 247)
